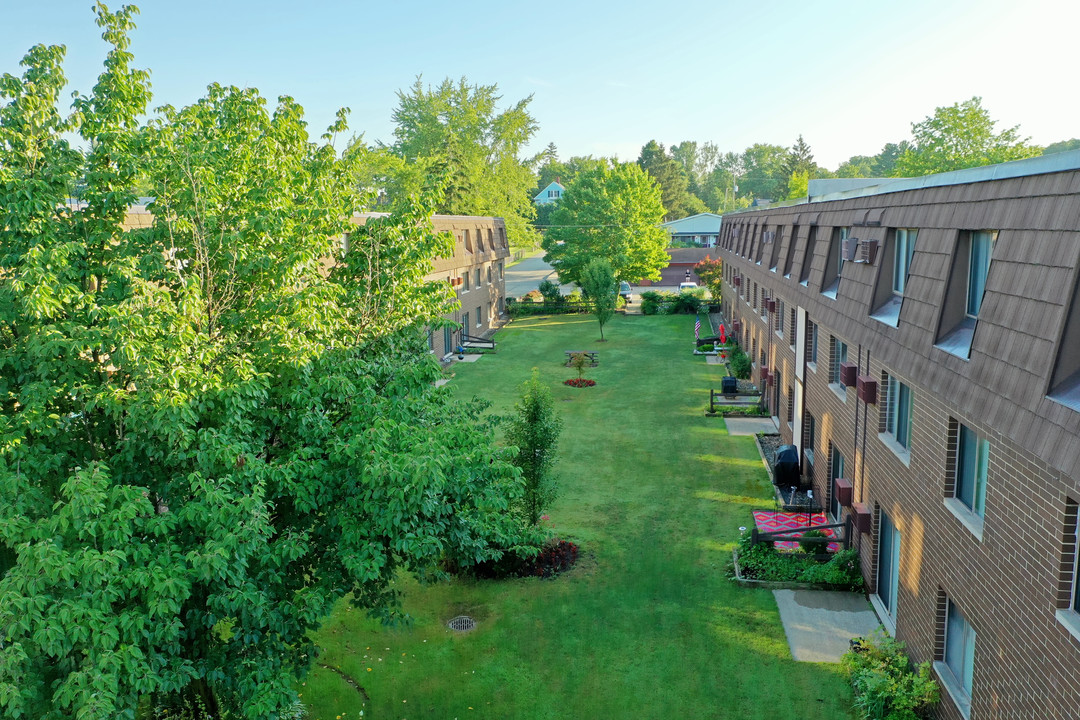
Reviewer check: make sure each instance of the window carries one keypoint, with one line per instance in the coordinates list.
(892, 278)
(777, 237)
(479, 316)
(790, 405)
(836, 470)
(888, 564)
(792, 239)
(972, 460)
(956, 662)
(811, 436)
(501, 276)
(903, 249)
(489, 274)
(794, 326)
(811, 343)
(479, 241)
(468, 242)
(838, 355)
(898, 412)
(1068, 600)
(830, 283)
(780, 316)
(964, 292)
(465, 281)
(448, 340)
(465, 323)
(808, 257)
(491, 239)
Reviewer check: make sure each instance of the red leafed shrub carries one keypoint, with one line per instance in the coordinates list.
(559, 556)
(555, 557)
(579, 382)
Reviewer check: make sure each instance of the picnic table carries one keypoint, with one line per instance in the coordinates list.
(592, 357)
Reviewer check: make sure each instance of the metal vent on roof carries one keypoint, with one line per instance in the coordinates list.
(462, 623)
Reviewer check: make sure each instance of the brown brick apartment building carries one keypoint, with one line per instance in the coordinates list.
(919, 341)
(476, 270)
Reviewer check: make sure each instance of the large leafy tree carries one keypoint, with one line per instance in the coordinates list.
(764, 171)
(960, 136)
(673, 181)
(216, 426)
(612, 213)
(458, 126)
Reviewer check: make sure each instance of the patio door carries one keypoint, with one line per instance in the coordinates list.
(448, 340)
(464, 326)
(888, 557)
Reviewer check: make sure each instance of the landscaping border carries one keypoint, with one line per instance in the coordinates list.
(771, 584)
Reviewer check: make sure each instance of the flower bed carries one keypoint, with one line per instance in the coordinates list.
(579, 382)
(556, 556)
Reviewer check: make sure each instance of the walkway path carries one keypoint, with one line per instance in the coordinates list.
(528, 274)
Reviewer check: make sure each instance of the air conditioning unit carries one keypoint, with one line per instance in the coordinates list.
(770, 305)
(863, 518)
(736, 281)
(736, 326)
(868, 251)
(867, 389)
(849, 248)
(848, 371)
(842, 491)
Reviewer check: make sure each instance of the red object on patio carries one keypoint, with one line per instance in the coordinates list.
(723, 335)
(769, 521)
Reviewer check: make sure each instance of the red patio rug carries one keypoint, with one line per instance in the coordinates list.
(769, 521)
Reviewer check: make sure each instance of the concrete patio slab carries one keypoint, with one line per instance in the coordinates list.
(749, 425)
(819, 623)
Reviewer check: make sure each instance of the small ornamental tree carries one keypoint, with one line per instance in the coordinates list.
(602, 288)
(711, 273)
(534, 432)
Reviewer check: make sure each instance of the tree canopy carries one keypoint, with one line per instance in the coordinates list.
(217, 425)
(612, 213)
(960, 136)
(673, 181)
(458, 126)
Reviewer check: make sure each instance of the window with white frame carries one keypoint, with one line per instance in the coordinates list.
(1068, 595)
(465, 281)
(893, 276)
(898, 412)
(972, 461)
(903, 249)
(811, 343)
(956, 658)
(838, 355)
(834, 264)
(888, 564)
(479, 316)
(810, 438)
(965, 290)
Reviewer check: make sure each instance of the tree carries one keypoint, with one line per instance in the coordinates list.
(533, 432)
(458, 126)
(601, 287)
(213, 428)
(612, 213)
(697, 161)
(674, 184)
(711, 273)
(764, 171)
(798, 185)
(1062, 146)
(960, 136)
(881, 165)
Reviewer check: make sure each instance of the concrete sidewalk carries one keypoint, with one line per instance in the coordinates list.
(819, 623)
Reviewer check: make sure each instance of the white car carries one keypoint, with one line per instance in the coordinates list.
(687, 286)
(624, 290)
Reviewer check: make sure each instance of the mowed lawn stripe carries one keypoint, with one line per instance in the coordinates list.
(647, 625)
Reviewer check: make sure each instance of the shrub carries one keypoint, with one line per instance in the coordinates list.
(842, 571)
(764, 562)
(740, 363)
(886, 685)
(545, 561)
(578, 361)
(747, 410)
(811, 547)
(686, 302)
(551, 293)
(532, 296)
(653, 302)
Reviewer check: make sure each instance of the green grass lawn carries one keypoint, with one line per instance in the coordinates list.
(647, 624)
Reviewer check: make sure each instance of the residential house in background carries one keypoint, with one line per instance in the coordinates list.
(552, 193)
(701, 230)
(919, 341)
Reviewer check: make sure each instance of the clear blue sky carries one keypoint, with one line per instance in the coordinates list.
(609, 76)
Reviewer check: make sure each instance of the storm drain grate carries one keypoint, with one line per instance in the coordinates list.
(462, 623)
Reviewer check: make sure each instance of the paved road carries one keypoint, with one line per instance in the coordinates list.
(528, 274)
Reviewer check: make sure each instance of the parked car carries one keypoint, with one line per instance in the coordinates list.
(624, 290)
(687, 286)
